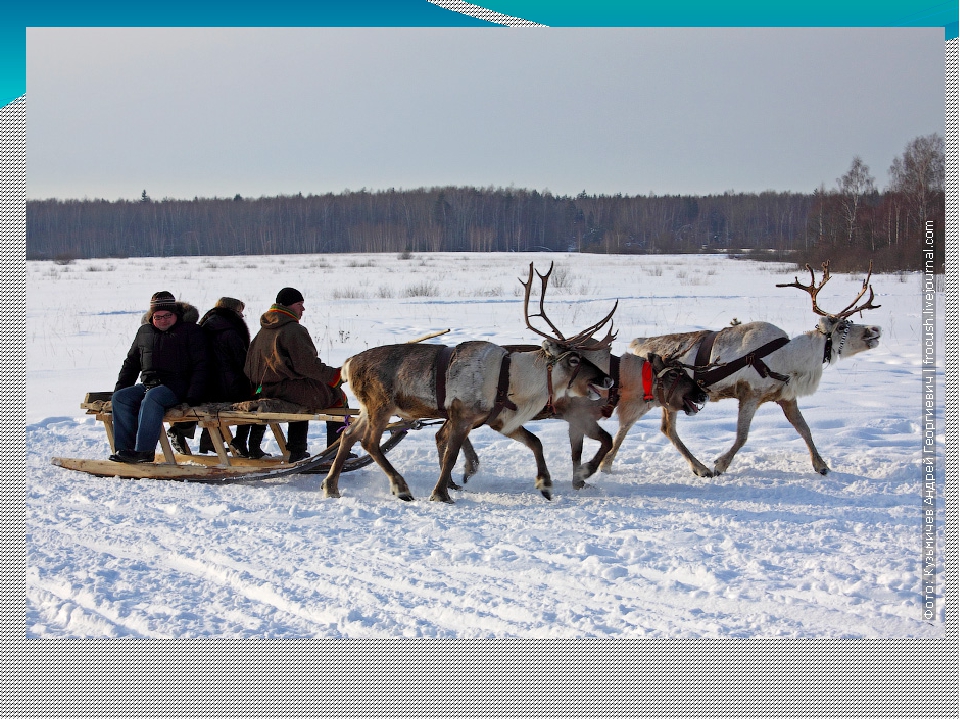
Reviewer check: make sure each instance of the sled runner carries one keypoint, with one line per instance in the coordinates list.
(225, 466)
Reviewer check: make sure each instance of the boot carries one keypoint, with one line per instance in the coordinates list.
(254, 440)
(297, 440)
(238, 446)
(206, 444)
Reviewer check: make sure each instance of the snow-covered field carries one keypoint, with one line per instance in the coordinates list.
(769, 549)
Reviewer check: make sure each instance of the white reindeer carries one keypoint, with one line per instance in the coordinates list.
(801, 361)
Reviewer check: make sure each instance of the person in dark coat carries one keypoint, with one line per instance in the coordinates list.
(169, 357)
(228, 339)
(283, 363)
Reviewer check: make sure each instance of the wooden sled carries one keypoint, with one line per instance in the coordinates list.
(225, 466)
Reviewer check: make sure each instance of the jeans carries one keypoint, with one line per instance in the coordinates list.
(138, 416)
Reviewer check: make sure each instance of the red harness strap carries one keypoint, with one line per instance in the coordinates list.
(647, 374)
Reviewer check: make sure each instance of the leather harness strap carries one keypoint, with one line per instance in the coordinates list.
(503, 386)
(613, 397)
(705, 378)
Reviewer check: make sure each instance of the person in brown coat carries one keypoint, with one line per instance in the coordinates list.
(283, 363)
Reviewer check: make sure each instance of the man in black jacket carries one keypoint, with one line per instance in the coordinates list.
(228, 339)
(170, 358)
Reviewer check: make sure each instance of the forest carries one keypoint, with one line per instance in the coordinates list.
(849, 223)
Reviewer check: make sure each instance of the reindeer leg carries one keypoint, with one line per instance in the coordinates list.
(668, 426)
(628, 412)
(471, 461)
(350, 435)
(369, 430)
(594, 432)
(455, 437)
(442, 438)
(606, 465)
(576, 454)
(543, 483)
(792, 413)
(748, 408)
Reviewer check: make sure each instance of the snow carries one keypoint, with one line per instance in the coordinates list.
(769, 549)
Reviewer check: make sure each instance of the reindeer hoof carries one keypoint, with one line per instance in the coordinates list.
(546, 493)
(327, 493)
(441, 498)
(824, 471)
(451, 485)
(578, 484)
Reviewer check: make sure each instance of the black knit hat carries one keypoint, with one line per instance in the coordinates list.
(163, 300)
(288, 297)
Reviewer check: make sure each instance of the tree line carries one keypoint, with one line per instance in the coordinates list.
(848, 223)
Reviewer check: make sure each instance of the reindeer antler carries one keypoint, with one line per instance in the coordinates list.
(581, 341)
(542, 314)
(814, 287)
(868, 305)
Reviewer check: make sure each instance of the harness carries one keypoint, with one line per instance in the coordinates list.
(828, 345)
(707, 377)
(501, 400)
(646, 375)
(613, 396)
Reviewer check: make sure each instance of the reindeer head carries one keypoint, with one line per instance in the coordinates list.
(585, 357)
(677, 390)
(843, 338)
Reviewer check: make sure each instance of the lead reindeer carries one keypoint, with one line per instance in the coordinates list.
(473, 384)
(781, 375)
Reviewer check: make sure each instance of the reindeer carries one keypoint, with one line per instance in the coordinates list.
(794, 370)
(473, 384)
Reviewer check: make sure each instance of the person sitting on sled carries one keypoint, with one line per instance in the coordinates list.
(229, 339)
(283, 363)
(170, 359)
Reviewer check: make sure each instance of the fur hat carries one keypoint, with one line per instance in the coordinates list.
(288, 297)
(230, 303)
(163, 301)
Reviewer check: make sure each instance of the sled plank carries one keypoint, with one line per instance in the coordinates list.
(167, 471)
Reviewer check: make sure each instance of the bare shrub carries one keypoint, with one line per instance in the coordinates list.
(422, 289)
(347, 293)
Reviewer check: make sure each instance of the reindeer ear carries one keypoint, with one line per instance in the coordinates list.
(828, 324)
(656, 361)
(550, 348)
